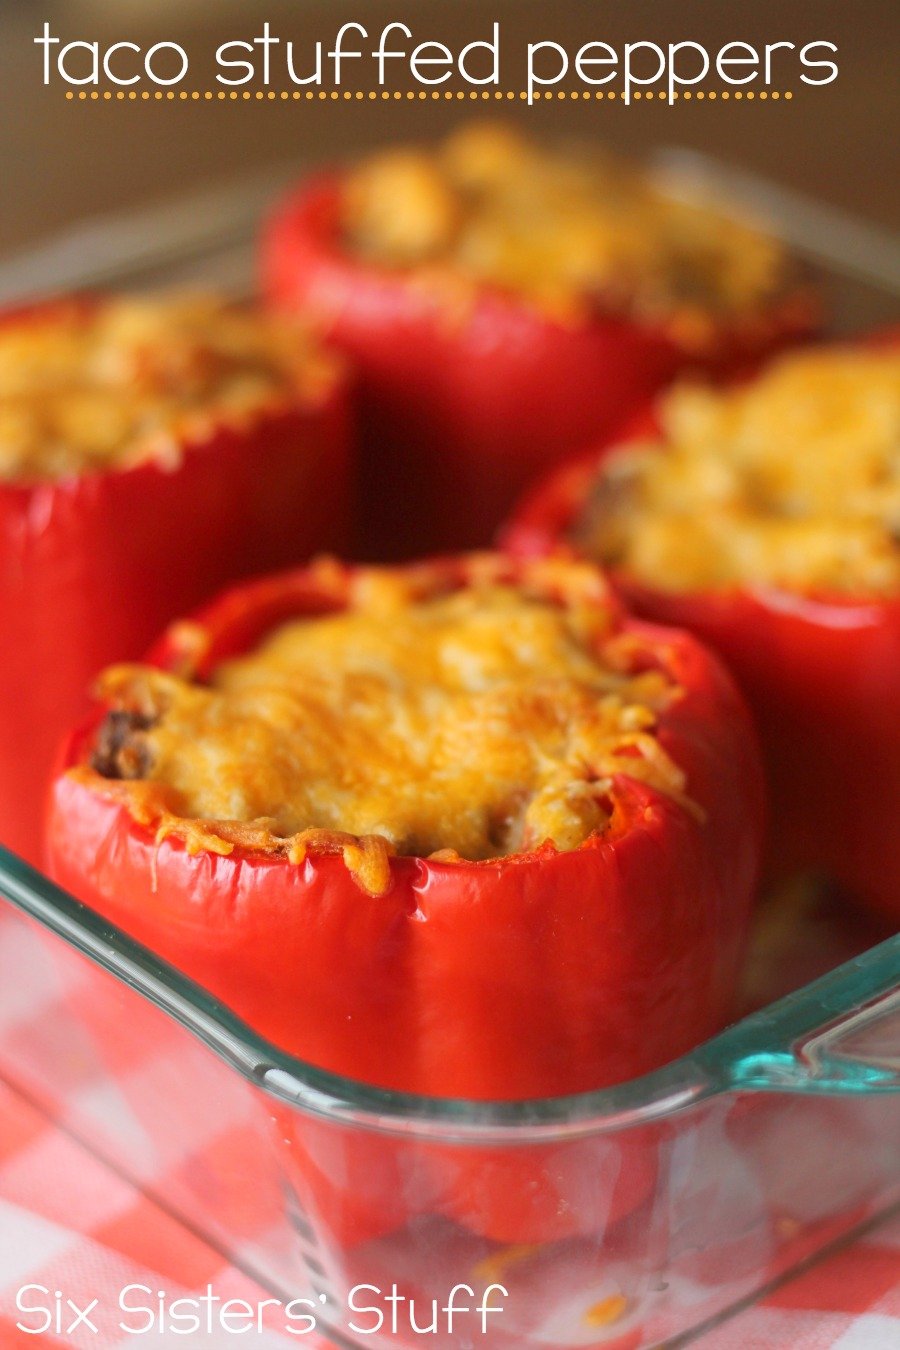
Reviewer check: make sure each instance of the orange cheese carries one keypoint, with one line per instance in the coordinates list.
(86, 386)
(473, 724)
(568, 231)
(792, 481)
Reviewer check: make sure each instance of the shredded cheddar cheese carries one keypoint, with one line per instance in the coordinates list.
(571, 233)
(86, 386)
(471, 724)
(791, 481)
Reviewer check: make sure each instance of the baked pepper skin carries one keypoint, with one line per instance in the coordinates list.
(822, 676)
(461, 409)
(632, 938)
(92, 567)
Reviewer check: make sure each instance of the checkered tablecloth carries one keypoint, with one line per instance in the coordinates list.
(67, 1223)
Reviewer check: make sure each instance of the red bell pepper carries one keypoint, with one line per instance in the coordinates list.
(461, 411)
(631, 940)
(822, 676)
(92, 567)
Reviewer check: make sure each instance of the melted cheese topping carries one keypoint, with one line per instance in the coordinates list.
(473, 725)
(572, 234)
(84, 387)
(791, 481)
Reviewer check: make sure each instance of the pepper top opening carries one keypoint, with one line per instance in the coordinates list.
(458, 721)
(99, 383)
(792, 480)
(572, 232)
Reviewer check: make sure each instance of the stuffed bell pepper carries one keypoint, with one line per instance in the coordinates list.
(460, 829)
(766, 519)
(150, 451)
(507, 305)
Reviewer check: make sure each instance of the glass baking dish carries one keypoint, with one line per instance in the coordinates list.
(633, 1216)
(637, 1213)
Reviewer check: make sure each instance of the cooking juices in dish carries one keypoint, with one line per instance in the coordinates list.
(150, 450)
(508, 304)
(766, 519)
(461, 828)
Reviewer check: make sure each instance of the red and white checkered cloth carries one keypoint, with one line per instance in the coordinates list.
(70, 1224)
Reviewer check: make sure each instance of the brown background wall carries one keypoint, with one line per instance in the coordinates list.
(62, 161)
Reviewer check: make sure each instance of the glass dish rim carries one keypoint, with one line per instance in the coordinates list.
(758, 1053)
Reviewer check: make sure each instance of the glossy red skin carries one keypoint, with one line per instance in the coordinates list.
(461, 411)
(537, 975)
(91, 568)
(822, 676)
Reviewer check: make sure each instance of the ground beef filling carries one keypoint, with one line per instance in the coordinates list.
(93, 385)
(119, 751)
(472, 725)
(573, 233)
(791, 481)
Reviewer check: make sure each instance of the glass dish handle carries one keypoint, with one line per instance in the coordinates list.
(856, 1049)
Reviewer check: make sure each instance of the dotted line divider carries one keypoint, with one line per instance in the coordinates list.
(358, 95)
